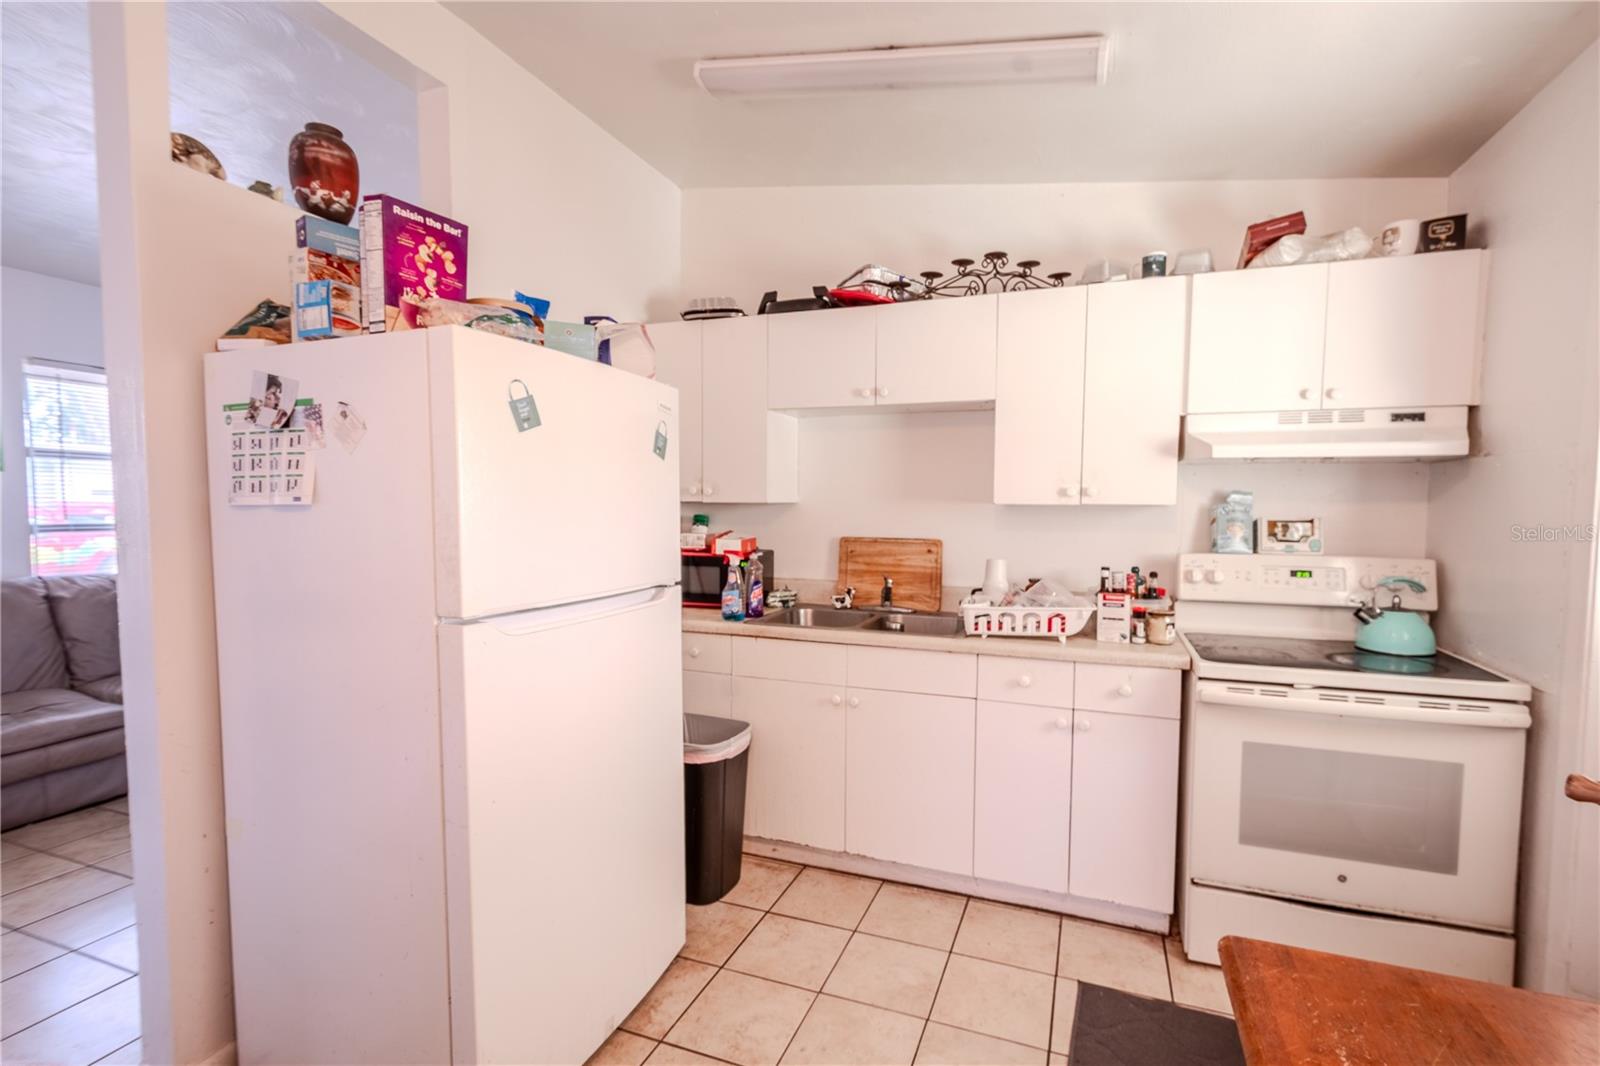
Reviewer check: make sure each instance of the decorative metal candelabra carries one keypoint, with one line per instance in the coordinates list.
(975, 279)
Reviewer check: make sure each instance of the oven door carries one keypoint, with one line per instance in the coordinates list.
(1355, 800)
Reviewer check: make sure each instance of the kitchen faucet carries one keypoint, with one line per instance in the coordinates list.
(886, 598)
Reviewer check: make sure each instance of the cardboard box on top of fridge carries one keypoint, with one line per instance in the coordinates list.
(1113, 617)
(733, 544)
(408, 255)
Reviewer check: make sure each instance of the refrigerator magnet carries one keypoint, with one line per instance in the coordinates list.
(523, 410)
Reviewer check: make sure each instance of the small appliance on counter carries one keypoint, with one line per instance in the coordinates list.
(705, 573)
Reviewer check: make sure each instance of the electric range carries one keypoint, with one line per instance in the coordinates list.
(1337, 799)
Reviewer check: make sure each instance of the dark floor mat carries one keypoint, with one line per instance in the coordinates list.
(1112, 1028)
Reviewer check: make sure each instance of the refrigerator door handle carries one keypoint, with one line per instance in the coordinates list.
(519, 623)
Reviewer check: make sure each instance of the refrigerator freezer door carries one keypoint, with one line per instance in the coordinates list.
(555, 479)
(562, 742)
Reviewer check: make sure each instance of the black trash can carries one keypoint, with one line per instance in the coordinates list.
(716, 754)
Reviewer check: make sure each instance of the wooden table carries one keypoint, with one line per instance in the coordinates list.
(1294, 1006)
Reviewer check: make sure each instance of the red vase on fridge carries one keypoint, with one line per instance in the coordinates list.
(323, 173)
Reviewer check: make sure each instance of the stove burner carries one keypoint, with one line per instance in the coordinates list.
(1378, 663)
(1339, 655)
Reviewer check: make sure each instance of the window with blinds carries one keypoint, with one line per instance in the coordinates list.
(71, 509)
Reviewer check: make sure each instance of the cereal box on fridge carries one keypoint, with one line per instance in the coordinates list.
(408, 255)
(326, 274)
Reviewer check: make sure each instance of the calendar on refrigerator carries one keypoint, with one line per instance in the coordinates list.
(268, 467)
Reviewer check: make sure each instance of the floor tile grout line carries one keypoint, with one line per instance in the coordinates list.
(966, 901)
(812, 1005)
(64, 947)
(22, 928)
(114, 1050)
(85, 999)
(1055, 994)
(58, 843)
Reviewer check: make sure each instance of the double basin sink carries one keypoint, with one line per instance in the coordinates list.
(805, 616)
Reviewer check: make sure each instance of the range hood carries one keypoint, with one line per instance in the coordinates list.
(1356, 433)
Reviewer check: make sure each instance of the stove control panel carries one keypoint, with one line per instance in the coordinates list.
(1306, 580)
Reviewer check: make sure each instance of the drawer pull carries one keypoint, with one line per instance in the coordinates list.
(1125, 689)
(1025, 681)
(694, 653)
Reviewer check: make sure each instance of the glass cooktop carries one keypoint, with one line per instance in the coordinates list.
(1339, 655)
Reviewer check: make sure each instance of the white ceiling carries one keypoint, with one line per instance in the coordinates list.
(1197, 90)
(245, 77)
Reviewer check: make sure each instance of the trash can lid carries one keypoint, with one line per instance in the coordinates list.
(710, 739)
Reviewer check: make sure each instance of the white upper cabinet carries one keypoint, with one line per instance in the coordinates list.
(1255, 340)
(1038, 406)
(733, 450)
(1404, 331)
(1133, 391)
(940, 350)
(677, 347)
(822, 358)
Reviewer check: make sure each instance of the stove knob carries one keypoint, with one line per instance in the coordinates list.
(1368, 581)
(1215, 577)
(1195, 575)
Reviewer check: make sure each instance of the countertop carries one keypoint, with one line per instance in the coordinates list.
(1079, 649)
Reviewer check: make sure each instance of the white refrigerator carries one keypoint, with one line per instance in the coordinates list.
(451, 697)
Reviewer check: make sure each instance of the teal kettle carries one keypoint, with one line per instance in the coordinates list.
(1393, 630)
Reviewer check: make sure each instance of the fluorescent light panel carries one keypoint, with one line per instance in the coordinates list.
(1072, 60)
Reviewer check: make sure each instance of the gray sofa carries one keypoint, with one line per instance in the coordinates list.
(61, 738)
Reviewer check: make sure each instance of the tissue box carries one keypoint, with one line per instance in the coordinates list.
(1113, 617)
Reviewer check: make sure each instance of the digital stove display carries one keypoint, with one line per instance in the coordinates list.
(1303, 575)
(1340, 655)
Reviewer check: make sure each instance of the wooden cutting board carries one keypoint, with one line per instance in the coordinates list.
(916, 565)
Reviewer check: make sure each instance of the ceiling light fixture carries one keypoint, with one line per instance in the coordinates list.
(1071, 60)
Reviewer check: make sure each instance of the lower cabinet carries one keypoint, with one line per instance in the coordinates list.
(908, 778)
(796, 787)
(1124, 809)
(1023, 803)
(707, 693)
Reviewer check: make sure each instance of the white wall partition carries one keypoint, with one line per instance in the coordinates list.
(1513, 526)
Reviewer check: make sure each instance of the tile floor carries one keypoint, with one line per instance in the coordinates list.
(803, 965)
(69, 957)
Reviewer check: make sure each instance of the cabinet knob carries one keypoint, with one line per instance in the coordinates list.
(1305, 394)
(864, 393)
(855, 701)
(1125, 689)
(707, 490)
(694, 653)
(1068, 491)
(1088, 490)
(882, 391)
(836, 700)
(1083, 725)
(1025, 681)
(1064, 723)
(1334, 394)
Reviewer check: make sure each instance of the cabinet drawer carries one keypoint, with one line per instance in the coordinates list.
(934, 673)
(789, 660)
(707, 694)
(708, 653)
(1128, 690)
(1036, 681)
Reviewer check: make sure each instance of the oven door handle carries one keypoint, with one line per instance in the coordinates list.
(1502, 716)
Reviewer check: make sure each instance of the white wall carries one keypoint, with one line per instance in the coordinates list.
(931, 474)
(1533, 194)
(741, 242)
(556, 206)
(40, 318)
